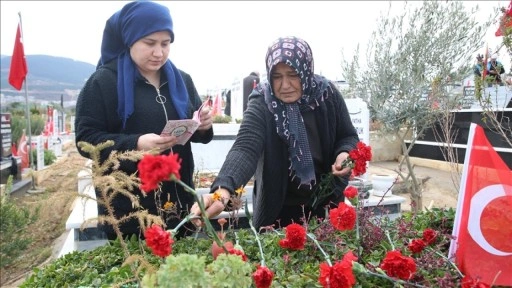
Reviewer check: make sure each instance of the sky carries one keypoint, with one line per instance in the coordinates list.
(215, 41)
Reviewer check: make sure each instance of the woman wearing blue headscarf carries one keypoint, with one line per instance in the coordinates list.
(295, 130)
(130, 97)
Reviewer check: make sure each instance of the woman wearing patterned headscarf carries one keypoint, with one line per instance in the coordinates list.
(130, 97)
(295, 130)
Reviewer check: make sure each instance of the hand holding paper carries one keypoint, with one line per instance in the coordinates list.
(183, 129)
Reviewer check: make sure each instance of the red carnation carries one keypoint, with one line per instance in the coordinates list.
(429, 236)
(340, 275)
(397, 265)
(154, 169)
(239, 253)
(350, 192)
(159, 240)
(417, 245)
(262, 277)
(357, 158)
(344, 217)
(295, 237)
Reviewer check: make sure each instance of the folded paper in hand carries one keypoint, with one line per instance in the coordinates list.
(183, 129)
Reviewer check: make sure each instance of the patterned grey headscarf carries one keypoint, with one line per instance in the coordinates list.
(296, 53)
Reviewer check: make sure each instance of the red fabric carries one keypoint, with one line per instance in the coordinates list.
(484, 228)
(22, 151)
(217, 106)
(506, 21)
(14, 150)
(484, 65)
(18, 70)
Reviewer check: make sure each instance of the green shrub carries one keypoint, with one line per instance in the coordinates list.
(49, 157)
(12, 227)
(221, 119)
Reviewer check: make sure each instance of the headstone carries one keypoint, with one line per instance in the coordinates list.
(499, 97)
(55, 118)
(360, 116)
(237, 99)
(56, 145)
(6, 135)
(72, 123)
(40, 153)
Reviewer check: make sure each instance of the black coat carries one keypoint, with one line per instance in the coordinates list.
(258, 150)
(97, 121)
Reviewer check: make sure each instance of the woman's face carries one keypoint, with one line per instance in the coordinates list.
(151, 52)
(286, 83)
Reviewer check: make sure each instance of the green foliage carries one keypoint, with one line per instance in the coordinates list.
(101, 267)
(221, 119)
(19, 123)
(191, 261)
(13, 224)
(49, 157)
(182, 270)
(229, 271)
(409, 65)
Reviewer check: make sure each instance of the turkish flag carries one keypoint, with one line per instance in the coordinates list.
(505, 21)
(23, 151)
(484, 65)
(18, 70)
(483, 219)
(217, 106)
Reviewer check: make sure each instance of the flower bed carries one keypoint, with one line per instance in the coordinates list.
(350, 247)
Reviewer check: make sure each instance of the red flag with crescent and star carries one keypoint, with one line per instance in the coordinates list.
(23, 150)
(483, 219)
(505, 21)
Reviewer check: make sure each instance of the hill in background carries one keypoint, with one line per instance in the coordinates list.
(48, 78)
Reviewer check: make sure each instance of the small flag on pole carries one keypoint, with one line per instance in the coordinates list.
(18, 70)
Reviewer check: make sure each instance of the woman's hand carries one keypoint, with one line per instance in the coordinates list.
(206, 119)
(337, 169)
(211, 206)
(156, 142)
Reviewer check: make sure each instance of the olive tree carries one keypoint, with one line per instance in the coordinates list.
(495, 117)
(413, 58)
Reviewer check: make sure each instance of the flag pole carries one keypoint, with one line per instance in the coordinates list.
(27, 114)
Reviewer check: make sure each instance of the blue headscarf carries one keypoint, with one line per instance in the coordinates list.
(134, 21)
(297, 54)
